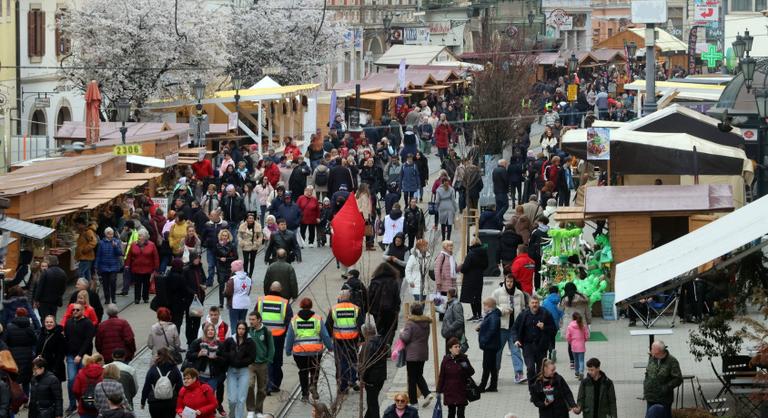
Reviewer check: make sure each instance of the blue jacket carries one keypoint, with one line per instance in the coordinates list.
(489, 336)
(409, 178)
(551, 303)
(109, 258)
(9, 311)
(291, 213)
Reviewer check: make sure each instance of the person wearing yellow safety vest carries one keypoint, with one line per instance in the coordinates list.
(344, 322)
(307, 339)
(276, 314)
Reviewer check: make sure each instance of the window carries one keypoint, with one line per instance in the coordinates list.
(35, 33)
(63, 43)
(38, 127)
(747, 5)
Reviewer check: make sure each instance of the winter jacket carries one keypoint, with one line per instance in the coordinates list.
(263, 193)
(552, 304)
(577, 337)
(21, 340)
(94, 302)
(199, 397)
(292, 215)
(563, 397)
(489, 335)
(50, 286)
(157, 339)
(282, 272)
(443, 135)
(523, 268)
(310, 209)
(384, 293)
(508, 242)
(239, 355)
(251, 202)
(454, 372)
(510, 305)
(374, 353)
(264, 344)
(105, 388)
(233, 209)
(112, 334)
(472, 268)
(143, 259)
(153, 374)
(415, 335)
(229, 253)
(249, 239)
(515, 172)
(531, 337)
(606, 404)
(453, 321)
(109, 256)
(176, 237)
(410, 180)
(662, 376)
(86, 244)
(216, 366)
(52, 347)
(89, 313)
(79, 335)
(580, 304)
(210, 203)
(45, 393)
(89, 375)
(414, 221)
(210, 235)
(9, 311)
(320, 171)
(285, 240)
(416, 270)
(500, 180)
(444, 280)
(410, 412)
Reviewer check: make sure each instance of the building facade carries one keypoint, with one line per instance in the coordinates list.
(569, 21)
(752, 15)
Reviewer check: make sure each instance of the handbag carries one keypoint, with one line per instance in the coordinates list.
(185, 255)
(7, 363)
(175, 353)
(438, 411)
(432, 208)
(196, 309)
(464, 344)
(400, 358)
(473, 391)
(368, 230)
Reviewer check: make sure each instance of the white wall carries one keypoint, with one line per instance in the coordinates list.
(756, 23)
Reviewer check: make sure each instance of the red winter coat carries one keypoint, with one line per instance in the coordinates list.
(143, 260)
(452, 380)
(112, 334)
(443, 135)
(310, 209)
(272, 173)
(90, 374)
(292, 150)
(523, 268)
(202, 169)
(198, 396)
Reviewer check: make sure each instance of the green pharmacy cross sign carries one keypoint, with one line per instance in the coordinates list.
(712, 56)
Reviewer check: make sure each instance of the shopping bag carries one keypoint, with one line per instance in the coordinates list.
(438, 411)
(196, 308)
(438, 300)
(7, 363)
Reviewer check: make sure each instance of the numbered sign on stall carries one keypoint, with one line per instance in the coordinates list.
(127, 149)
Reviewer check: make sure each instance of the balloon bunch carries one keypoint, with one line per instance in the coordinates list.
(565, 242)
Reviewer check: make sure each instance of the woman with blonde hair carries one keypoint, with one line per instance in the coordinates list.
(249, 239)
(225, 253)
(417, 268)
(109, 387)
(88, 311)
(400, 408)
(91, 374)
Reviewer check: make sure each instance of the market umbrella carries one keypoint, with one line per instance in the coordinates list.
(634, 152)
(92, 106)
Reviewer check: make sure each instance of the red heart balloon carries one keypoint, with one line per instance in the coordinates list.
(348, 233)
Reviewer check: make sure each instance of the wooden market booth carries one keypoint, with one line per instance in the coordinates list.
(52, 191)
(549, 62)
(668, 47)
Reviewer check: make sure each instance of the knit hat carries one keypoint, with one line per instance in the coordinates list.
(237, 265)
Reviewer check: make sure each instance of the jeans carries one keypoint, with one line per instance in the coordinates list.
(415, 371)
(126, 281)
(442, 153)
(210, 258)
(578, 362)
(276, 367)
(257, 379)
(237, 390)
(232, 226)
(235, 316)
(72, 370)
(346, 363)
(140, 286)
(667, 408)
(311, 228)
(263, 215)
(509, 337)
(516, 192)
(533, 358)
(164, 262)
(109, 285)
(502, 204)
(84, 268)
(213, 382)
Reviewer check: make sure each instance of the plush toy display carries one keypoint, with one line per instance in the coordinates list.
(348, 232)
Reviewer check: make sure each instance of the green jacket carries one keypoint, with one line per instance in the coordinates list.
(661, 379)
(606, 407)
(265, 345)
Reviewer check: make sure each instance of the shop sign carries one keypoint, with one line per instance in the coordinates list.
(171, 160)
(706, 12)
(353, 35)
(749, 134)
(416, 36)
(232, 121)
(712, 56)
(42, 102)
(127, 149)
(573, 90)
(396, 35)
(440, 27)
(598, 144)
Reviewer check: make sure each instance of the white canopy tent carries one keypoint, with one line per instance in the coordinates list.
(676, 262)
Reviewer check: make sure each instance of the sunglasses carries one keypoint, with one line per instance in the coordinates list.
(400, 401)
(76, 310)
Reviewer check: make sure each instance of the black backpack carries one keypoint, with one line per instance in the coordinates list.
(355, 293)
(321, 178)
(89, 396)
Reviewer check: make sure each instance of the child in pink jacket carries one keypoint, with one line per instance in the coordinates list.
(577, 335)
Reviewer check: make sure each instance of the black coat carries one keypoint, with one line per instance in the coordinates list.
(176, 291)
(561, 392)
(21, 340)
(515, 172)
(233, 209)
(52, 346)
(50, 287)
(530, 335)
(472, 268)
(423, 166)
(93, 300)
(374, 353)
(384, 293)
(153, 374)
(45, 392)
(337, 176)
(229, 253)
(285, 240)
(218, 365)
(239, 355)
(79, 335)
(297, 182)
(500, 180)
(508, 242)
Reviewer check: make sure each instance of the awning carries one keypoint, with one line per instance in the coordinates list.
(676, 262)
(57, 211)
(676, 118)
(26, 229)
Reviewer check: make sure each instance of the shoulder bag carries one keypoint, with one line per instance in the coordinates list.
(175, 353)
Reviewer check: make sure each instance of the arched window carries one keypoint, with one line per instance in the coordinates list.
(65, 115)
(38, 125)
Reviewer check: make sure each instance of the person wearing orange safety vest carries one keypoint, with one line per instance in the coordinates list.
(276, 315)
(344, 322)
(306, 339)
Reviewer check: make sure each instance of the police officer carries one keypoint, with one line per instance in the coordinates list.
(306, 339)
(344, 322)
(276, 314)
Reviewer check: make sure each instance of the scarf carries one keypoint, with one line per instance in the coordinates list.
(452, 261)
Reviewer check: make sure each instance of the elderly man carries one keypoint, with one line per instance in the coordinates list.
(534, 329)
(282, 272)
(532, 209)
(115, 333)
(662, 376)
(233, 210)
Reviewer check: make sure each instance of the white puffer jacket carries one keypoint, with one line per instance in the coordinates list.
(417, 272)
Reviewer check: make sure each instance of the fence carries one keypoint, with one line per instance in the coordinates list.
(25, 148)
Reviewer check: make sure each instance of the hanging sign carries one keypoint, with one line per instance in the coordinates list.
(127, 149)
(598, 144)
(712, 56)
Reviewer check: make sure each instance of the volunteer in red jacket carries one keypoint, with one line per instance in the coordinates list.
(523, 268)
(196, 396)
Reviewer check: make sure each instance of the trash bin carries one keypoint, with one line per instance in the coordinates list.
(490, 239)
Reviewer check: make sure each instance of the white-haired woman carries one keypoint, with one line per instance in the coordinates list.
(109, 260)
(142, 260)
(310, 214)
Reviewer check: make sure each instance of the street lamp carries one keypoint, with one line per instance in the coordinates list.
(237, 82)
(748, 65)
(573, 63)
(531, 16)
(123, 109)
(739, 46)
(748, 39)
(199, 89)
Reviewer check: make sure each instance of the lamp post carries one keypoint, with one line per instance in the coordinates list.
(649, 105)
(387, 25)
(761, 99)
(123, 109)
(237, 82)
(631, 51)
(199, 89)
(748, 65)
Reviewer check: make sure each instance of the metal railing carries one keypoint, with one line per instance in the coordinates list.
(25, 148)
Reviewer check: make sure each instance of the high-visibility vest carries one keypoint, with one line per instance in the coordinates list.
(344, 316)
(272, 309)
(307, 335)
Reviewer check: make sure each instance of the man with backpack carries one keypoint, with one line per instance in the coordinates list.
(79, 332)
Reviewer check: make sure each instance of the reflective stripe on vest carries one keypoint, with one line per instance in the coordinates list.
(272, 309)
(345, 321)
(307, 335)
